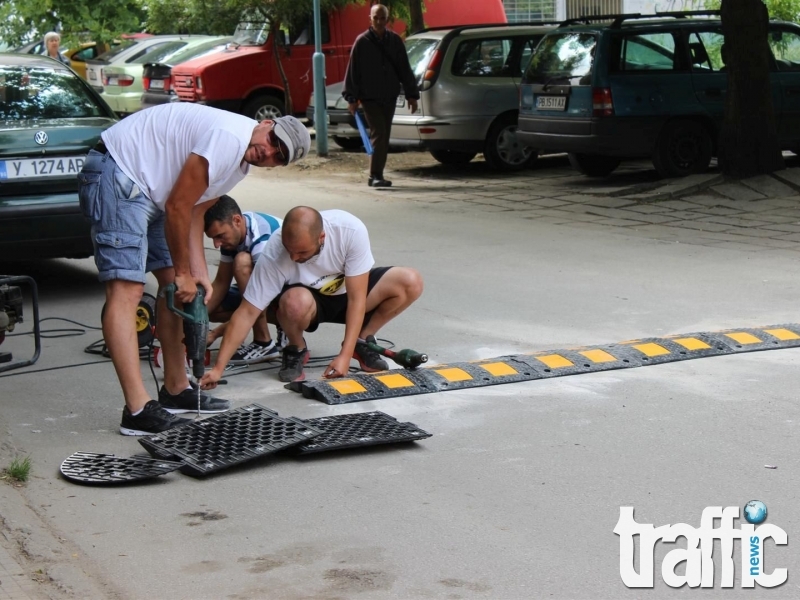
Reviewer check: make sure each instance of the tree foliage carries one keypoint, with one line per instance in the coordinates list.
(785, 10)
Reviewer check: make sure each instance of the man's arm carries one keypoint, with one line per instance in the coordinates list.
(220, 285)
(191, 184)
(352, 76)
(354, 318)
(238, 327)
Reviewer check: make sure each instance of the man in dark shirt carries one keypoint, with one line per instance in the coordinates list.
(378, 67)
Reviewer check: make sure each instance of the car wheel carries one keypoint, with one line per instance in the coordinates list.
(683, 148)
(348, 143)
(594, 165)
(263, 108)
(452, 157)
(503, 150)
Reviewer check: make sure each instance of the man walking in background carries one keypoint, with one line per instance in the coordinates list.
(377, 69)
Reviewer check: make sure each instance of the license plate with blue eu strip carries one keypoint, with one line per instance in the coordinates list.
(34, 168)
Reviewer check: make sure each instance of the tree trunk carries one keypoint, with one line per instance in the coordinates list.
(276, 49)
(415, 10)
(748, 142)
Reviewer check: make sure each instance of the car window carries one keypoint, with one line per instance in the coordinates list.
(420, 51)
(527, 51)
(563, 58)
(160, 52)
(644, 52)
(134, 58)
(482, 58)
(42, 93)
(197, 51)
(300, 31)
(82, 55)
(785, 47)
(705, 51)
(108, 55)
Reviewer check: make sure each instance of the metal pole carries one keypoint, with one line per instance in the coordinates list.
(320, 104)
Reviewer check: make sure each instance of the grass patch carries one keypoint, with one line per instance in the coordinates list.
(19, 469)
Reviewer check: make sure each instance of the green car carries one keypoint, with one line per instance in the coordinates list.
(122, 83)
(49, 120)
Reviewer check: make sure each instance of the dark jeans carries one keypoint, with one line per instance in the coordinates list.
(379, 118)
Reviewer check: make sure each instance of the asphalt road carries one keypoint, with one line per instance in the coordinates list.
(518, 491)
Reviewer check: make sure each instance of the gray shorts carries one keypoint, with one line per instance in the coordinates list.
(127, 227)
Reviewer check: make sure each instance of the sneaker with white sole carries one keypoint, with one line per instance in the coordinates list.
(153, 419)
(255, 352)
(281, 339)
(189, 401)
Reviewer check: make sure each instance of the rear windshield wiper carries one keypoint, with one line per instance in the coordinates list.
(553, 80)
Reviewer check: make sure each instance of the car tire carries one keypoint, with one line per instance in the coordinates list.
(348, 143)
(594, 165)
(503, 150)
(683, 148)
(264, 107)
(452, 157)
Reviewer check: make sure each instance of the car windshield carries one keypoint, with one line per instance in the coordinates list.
(419, 52)
(110, 54)
(160, 53)
(251, 33)
(562, 58)
(42, 93)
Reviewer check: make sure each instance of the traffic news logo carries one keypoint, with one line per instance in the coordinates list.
(697, 554)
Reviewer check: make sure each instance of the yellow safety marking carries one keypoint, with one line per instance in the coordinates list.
(454, 374)
(347, 386)
(395, 381)
(555, 361)
(691, 343)
(783, 334)
(744, 338)
(498, 368)
(651, 349)
(598, 356)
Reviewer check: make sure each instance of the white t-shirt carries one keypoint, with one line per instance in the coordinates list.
(260, 227)
(151, 147)
(346, 252)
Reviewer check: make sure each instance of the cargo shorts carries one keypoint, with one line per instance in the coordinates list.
(127, 227)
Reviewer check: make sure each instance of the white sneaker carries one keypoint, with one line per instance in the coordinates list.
(255, 352)
(281, 340)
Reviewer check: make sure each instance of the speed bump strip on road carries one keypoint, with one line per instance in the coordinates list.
(553, 363)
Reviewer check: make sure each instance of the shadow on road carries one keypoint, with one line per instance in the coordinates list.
(60, 279)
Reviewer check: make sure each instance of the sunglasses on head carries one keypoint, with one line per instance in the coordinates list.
(276, 142)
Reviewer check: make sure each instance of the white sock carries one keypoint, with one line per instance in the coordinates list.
(133, 414)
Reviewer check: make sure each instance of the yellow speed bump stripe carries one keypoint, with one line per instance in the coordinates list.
(783, 334)
(743, 337)
(498, 369)
(598, 356)
(555, 361)
(454, 374)
(348, 386)
(395, 380)
(651, 349)
(691, 343)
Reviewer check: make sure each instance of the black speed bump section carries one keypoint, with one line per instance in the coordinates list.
(92, 468)
(554, 363)
(359, 429)
(228, 439)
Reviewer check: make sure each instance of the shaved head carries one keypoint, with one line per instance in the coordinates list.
(302, 233)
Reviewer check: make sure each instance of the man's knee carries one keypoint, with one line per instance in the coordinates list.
(407, 281)
(296, 304)
(243, 263)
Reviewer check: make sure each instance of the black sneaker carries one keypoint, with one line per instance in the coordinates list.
(292, 365)
(379, 182)
(254, 353)
(281, 339)
(369, 360)
(186, 401)
(153, 419)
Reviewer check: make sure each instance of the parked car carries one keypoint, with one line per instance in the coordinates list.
(157, 75)
(341, 124)
(635, 86)
(123, 83)
(245, 77)
(49, 119)
(469, 93)
(127, 52)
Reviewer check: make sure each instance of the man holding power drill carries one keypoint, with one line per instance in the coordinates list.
(146, 187)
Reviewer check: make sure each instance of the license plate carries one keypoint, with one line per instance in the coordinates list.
(401, 101)
(156, 84)
(40, 167)
(92, 75)
(113, 80)
(551, 103)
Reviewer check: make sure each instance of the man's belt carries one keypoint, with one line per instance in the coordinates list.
(101, 147)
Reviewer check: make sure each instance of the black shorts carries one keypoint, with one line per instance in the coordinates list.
(330, 309)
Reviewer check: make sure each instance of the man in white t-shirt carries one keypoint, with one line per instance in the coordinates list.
(318, 268)
(145, 188)
(241, 238)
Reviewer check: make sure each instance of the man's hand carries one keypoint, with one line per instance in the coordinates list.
(352, 107)
(412, 104)
(339, 367)
(210, 379)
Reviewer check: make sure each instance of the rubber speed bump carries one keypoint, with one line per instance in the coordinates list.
(92, 468)
(553, 363)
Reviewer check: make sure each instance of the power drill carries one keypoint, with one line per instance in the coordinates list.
(195, 326)
(408, 359)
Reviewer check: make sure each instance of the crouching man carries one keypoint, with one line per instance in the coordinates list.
(318, 268)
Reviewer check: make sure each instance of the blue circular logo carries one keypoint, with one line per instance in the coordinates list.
(755, 512)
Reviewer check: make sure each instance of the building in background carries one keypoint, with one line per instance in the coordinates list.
(550, 10)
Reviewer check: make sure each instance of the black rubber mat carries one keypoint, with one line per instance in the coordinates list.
(88, 467)
(359, 429)
(229, 439)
